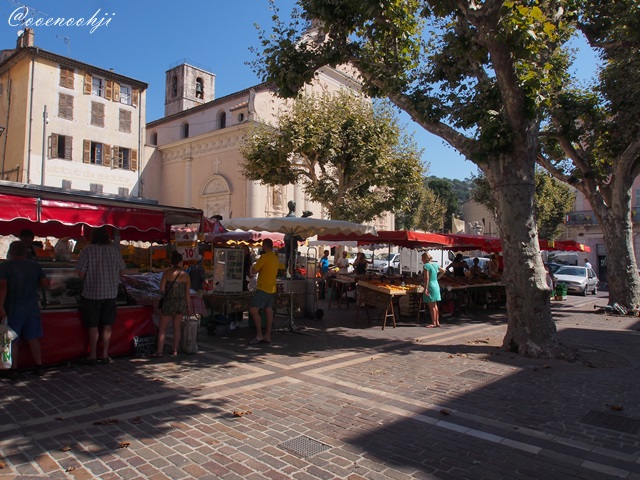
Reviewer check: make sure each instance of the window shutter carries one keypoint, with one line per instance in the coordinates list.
(66, 77)
(70, 107)
(116, 92)
(54, 146)
(101, 115)
(108, 91)
(134, 160)
(88, 83)
(106, 155)
(68, 148)
(135, 93)
(86, 151)
(97, 114)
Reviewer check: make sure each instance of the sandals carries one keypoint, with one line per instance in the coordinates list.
(104, 361)
(174, 353)
(255, 341)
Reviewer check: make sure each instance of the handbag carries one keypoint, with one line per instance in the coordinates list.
(161, 302)
(7, 335)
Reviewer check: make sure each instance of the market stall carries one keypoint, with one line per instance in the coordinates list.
(300, 227)
(51, 212)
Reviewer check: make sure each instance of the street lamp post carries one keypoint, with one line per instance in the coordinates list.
(45, 120)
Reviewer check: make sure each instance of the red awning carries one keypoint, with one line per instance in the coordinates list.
(72, 213)
(14, 208)
(460, 241)
(400, 238)
(61, 214)
(565, 245)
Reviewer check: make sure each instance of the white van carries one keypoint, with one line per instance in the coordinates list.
(411, 260)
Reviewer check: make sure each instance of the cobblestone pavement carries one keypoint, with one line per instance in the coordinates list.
(351, 401)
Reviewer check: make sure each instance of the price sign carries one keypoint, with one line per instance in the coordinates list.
(187, 244)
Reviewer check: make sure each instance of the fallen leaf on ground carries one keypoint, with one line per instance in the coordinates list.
(240, 413)
(124, 444)
(546, 366)
(136, 420)
(444, 411)
(616, 408)
(66, 448)
(2, 464)
(70, 469)
(60, 419)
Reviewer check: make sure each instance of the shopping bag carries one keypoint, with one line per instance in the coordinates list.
(189, 335)
(7, 335)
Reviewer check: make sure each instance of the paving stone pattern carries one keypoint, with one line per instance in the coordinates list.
(352, 401)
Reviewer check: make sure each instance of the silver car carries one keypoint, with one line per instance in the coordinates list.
(580, 280)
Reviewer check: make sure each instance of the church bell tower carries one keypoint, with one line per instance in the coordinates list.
(187, 86)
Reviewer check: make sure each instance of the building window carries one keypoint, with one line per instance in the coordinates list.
(123, 191)
(174, 86)
(222, 119)
(66, 77)
(240, 117)
(97, 86)
(95, 188)
(96, 153)
(61, 146)
(124, 124)
(66, 184)
(125, 158)
(65, 106)
(154, 138)
(199, 88)
(185, 130)
(125, 95)
(97, 114)
(124, 155)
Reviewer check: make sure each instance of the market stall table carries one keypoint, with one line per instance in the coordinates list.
(382, 296)
(342, 286)
(66, 339)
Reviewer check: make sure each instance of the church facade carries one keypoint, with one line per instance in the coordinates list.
(194, 157)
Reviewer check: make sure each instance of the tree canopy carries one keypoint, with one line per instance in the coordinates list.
(553, 201)
(478, 75)
(349, 154)
(592, 140)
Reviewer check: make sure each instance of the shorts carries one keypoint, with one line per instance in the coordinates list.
(262, 299)
(27, 328)
(98, 313)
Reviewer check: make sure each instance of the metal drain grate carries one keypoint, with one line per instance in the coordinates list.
(612, 422)
(304, 446)
(478, 375)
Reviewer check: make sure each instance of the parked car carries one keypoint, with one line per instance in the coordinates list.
(580, 280)
(386, 263)
(482, 262)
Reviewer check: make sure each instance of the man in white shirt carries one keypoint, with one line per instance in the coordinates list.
(343, 263)
(587, 263)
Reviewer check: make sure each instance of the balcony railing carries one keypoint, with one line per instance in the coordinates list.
(587, 217)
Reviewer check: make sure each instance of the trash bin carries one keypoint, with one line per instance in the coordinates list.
(561, 292)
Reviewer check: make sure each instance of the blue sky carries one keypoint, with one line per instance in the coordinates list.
(143, 38)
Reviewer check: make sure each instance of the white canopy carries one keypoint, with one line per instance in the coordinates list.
(302, 227)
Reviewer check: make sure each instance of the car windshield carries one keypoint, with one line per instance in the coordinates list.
(573, 271)
(552, 267)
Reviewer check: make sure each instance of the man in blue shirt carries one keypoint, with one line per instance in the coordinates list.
(324, 263)
(20, 282)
